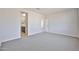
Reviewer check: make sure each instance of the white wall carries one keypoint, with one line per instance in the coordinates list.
(64, 22)
(34, 22)
(78, 22)
(9, 24)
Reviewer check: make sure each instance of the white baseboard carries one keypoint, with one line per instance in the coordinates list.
(34, 33)
(65, 35)
(10, 39)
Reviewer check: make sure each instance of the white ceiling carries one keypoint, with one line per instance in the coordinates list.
(47, 11)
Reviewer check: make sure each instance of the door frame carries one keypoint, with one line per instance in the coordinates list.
(26, 22)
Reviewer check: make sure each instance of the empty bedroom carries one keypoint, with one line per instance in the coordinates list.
(39, 29)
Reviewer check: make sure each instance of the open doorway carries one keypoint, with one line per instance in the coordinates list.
(24, 24)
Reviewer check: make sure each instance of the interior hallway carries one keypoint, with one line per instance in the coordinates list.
(43, 42)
